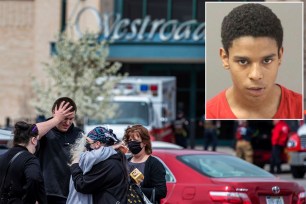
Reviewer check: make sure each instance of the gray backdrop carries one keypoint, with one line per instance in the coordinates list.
(291, 70)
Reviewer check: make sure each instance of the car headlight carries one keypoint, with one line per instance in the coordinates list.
(291, 144)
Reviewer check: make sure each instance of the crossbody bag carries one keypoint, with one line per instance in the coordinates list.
(5, 195)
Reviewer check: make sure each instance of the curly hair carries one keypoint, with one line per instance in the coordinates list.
(254, 20)
(142, 132)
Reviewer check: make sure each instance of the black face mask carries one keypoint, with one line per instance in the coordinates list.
(134, 147)
(88, 147)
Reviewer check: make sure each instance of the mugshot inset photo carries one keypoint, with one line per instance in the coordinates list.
(254, 60)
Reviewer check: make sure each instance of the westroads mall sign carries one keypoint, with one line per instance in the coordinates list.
(114, 27)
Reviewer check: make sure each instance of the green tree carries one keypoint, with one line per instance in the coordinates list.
(73, 71)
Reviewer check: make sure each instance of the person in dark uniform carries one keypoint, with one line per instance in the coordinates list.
(181, 129)
(21, 179)
(54, 154)
(210, 133)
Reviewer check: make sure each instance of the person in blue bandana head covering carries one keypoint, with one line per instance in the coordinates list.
(102, 135)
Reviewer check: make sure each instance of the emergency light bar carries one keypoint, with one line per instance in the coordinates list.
(144, 87)
(153, 88)
(130, 89)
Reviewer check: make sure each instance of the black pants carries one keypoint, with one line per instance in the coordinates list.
(56, 200)
(276, 158)
(210, 138)
(181, 140)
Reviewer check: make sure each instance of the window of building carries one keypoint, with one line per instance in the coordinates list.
(200, 15)
(181, 10)
(157, 9)
(132, 9)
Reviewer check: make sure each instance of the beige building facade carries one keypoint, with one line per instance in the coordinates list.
(27, 28)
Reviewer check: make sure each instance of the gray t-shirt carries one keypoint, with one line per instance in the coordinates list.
(139, 166)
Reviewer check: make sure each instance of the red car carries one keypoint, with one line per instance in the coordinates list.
(199, 177)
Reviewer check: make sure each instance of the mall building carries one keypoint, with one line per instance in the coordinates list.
(149, 38)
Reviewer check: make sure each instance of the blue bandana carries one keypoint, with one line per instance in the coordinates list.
(103, 135)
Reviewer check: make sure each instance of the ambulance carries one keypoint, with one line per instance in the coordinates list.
(146, 100)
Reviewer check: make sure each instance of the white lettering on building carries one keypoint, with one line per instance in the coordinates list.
(114, 27)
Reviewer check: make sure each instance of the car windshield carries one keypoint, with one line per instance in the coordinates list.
(223, 166)
(127, 113)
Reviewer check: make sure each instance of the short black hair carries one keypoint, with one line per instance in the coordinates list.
(251, 19)
(66, 99)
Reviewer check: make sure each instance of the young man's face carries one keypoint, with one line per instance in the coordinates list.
(253, 64)
(65, 124)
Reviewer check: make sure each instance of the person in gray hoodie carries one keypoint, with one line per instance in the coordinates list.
(87, 160)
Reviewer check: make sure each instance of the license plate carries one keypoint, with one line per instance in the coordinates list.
(275, 200)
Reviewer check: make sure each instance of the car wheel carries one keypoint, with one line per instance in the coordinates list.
(298, 171)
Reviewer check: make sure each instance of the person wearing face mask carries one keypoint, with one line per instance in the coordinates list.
(180, 126)
(138, 141)
(21, 179)
(100, 171)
